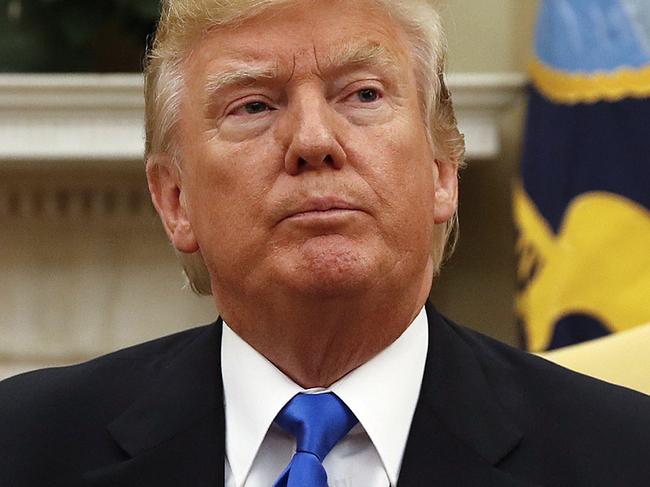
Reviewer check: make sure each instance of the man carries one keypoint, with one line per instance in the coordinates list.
(304, 153)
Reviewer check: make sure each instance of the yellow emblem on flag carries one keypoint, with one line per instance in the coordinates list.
(598, 264)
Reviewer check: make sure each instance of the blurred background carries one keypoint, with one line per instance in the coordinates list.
(86, 267)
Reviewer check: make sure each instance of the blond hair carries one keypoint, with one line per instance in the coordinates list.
(182, 22)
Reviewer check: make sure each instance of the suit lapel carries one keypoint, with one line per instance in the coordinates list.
(174, 432)
(459, 431)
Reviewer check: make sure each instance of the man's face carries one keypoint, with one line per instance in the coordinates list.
(306, 165)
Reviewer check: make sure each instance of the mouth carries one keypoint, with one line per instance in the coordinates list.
(322, 209)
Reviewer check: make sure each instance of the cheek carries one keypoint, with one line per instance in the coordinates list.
(397, 166)
(232, 175)
(227, 185)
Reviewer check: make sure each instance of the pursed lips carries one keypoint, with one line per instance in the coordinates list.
(321, 207)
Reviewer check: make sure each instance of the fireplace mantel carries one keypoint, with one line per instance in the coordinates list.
(63, 118)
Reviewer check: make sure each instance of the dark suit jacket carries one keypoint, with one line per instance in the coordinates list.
(488, 415)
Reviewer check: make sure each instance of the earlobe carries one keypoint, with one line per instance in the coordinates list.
(165, 187)
(446, 191)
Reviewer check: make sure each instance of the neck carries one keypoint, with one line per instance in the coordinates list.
(317, 341)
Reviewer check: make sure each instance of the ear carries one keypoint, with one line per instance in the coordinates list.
(446, 191)
(164, 182)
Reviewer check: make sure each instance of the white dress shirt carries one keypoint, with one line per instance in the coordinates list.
(382, 393)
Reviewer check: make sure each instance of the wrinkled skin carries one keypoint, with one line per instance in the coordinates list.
(309, 186)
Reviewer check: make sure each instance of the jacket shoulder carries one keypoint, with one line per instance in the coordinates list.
(49, 416)
(119, 368)
(581, 427)
(534, 374)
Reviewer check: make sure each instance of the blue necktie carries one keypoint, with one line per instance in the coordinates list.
(318, 422)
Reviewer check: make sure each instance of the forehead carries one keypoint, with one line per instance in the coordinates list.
(310, 33)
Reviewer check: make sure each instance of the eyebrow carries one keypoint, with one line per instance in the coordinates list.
(356, 54)
(242, 76)
(344, 57)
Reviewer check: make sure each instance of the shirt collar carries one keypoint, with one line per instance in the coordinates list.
(382, 393)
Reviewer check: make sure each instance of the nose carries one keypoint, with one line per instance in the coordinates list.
(313, 142)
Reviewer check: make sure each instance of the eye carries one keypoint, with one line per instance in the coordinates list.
(368, 95)
(255, 107)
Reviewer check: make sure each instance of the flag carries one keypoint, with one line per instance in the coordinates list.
(582, 206)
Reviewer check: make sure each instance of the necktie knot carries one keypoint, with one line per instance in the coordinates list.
(318, 422)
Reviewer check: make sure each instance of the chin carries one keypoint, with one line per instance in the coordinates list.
(330, 269)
